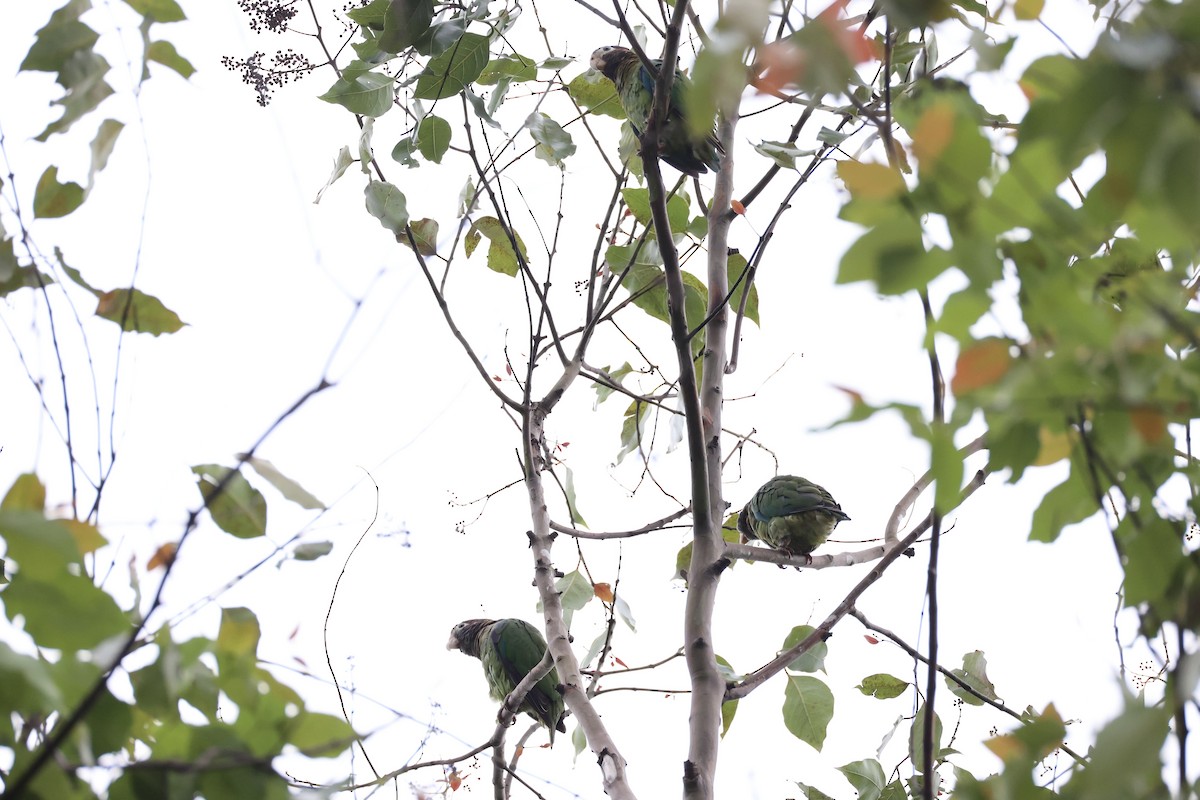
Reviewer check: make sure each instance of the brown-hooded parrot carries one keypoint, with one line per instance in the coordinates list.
(790, 514)
(509, 649)
(635, 89)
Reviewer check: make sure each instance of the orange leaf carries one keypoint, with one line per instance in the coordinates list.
(603, 591)
(454, 780)
(870, 639)
(737, 207)
(779, 65)
(162, 556)
(855, 396)
(981, 364)
(857, 47)
(1150, 424)
(622, 663)
(933, 133)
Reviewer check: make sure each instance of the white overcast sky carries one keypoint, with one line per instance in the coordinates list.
(267, 281)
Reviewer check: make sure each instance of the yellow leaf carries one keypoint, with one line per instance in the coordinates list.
(1006, 747)
(981, 364)
(1028, 9)
(87, 537)
(933, 133)
(1052, 446)
(870, 181)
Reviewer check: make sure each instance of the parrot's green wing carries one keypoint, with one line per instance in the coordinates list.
(635, 89)
(509, 649)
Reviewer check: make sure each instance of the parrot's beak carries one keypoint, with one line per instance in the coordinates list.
(453, 643)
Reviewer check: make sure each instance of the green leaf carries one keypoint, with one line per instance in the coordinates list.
(26, 494)
(138, 312)
(728, 674)
(433, 138)
(52, 199)
(388, 205)
(404, 22)
(638, 201)
(576, 517)
(441, 36)
(718, 79)
(8, 260)
(451, 72)
(311, 551)
(811, 793)
(974, 674)
(340, 165)
(916, 739)
(1069, 502)
(810, 661)
(728, 711)
(82, 75)
(603, 392)
(26, 683)
(596, 93)
(1153, 557)
(515, 68)
(239, 509)
(807, 709)
(866, 777)
(1125, 760)
(320, 735)
(553, 143)
(625, 612)
(286, 486)
(737, 266)
(158, 10)
(402, 153)
(371, 15)
(501, 257)
(43, 548)
(102, 147)
(239, 633)
(893, 256)
(425, 234)
(60, 39)
(574, 592)
(65, 611)
(947, 468)
(782, 153)
(24, 277)
(637, 417)
(882, 686)
(620, 256)
(368, 94)
(165, 53)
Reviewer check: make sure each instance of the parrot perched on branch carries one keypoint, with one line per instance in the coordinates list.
(509, 650)
(635, 89)
(790, 514)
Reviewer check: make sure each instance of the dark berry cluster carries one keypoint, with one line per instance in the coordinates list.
(285, 65)
(269, 15)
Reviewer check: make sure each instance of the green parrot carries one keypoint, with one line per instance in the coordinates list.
(509, 649)
(635, 88)
(790, 514)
